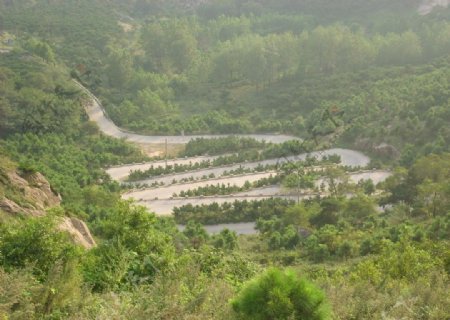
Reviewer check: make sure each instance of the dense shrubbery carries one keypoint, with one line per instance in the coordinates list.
(424, 186)
(35, 243)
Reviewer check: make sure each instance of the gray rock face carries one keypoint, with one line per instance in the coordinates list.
(35, 192)
(78, 230)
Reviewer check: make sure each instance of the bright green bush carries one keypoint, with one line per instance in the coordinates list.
(280, 295)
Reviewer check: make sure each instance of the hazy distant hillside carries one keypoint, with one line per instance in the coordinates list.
(213, 8)
(428, 5)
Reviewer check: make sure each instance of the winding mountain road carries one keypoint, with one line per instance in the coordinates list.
(97, 114)
(160, 200)
(349, 158)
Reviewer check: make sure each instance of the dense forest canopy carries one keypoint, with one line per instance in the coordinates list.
(368, 75)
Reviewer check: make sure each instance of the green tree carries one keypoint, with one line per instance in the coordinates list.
(107, 266)
(137, 230)
(253, 60)
(227, 62)
(226, 240)
(196, 233)
(330, 209)
(170, 46)
(183, 47)
(41, 49)
(119, 67)
(135, 245)
(297, 216)
(399, 49)
(280, 295)
(337, 181)
(359, 207)
(367, 186)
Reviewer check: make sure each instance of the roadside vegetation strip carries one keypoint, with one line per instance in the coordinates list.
(244, 207)
(227, 189)
(168, 191)
(175, 168)
(165, 207)
(237, 170)
(351, 159)
(238, 211)
(241, 158)
(209, 172)
(120, 172)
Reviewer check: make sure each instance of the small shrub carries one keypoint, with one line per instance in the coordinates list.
(280, 295)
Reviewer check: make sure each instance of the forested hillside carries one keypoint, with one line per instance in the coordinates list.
(372, 76)
(277, 69)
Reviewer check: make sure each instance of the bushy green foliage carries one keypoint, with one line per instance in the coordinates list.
(196, 234)
(359, 208)
(79, 30)
(424, 185)
(224, 160)
(15, 289)
(280, 294)
(134, 249)
(35, 243)
(401, 261)
(226, 240)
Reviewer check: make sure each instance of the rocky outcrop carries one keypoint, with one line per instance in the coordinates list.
(35, 192)
(31, 194)
(13, 208)
(79, 231)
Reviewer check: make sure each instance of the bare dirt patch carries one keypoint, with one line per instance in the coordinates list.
(159, 149)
